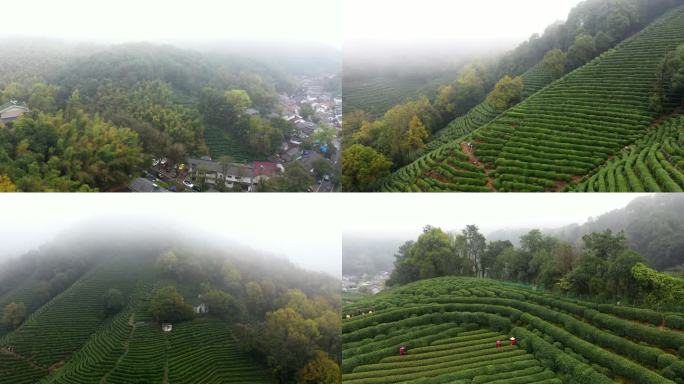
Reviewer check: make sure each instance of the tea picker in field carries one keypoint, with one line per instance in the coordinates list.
(402, 350)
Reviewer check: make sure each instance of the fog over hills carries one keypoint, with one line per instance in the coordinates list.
(33, 221)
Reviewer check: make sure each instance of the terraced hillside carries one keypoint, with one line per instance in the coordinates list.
(565, 132)
(59, 328)
(220, 144)
(653, 163)
(377, 94)
(450, 326)
(534, 79)
(68, 340)
(27, 292)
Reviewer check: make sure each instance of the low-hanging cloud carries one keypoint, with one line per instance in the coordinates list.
(298, 228)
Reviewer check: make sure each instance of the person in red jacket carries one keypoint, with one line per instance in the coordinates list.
(402, 350)
(514, 341)
(498, 343)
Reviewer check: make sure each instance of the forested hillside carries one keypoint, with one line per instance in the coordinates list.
(151, 101)
(80, 311)
(503, 125)
(652, 226)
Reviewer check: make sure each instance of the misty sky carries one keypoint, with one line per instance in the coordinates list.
(485, 22)
(305, 228)
(297, 227)
(177, 20)
(407, 214)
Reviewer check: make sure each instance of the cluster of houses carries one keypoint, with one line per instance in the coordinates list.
(364, 283)
(327, 109)
(245, 175)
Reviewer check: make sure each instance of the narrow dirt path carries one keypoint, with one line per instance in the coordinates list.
(131, 322)
(475, 161)
(165, 378)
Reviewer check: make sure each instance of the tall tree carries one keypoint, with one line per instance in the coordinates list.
(14, 314)
(362, 167)
(167, 305)
(296, 178)
(112, 301)
(581, 51)
(506, 93)
(417, 135)
(6, 185)
(554, 60)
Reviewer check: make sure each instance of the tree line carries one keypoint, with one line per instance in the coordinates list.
(602, 267)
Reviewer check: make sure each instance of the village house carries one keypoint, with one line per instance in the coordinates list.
(291, 154)
(264, 170)
(235, 173)
(12, 110)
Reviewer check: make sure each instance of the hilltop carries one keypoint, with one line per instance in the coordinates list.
(79, 310)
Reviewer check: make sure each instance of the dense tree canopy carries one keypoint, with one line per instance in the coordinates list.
(168, 306)
(507, 92)
(458, 97)
(660, 288)
(296, 334)
(603, 266)
(581, 51)
(401, 130)
(148, 100)
(652, 226)
(289, 322)
(112, 301)
(361, 167)
(321, 370)
(42, 152)
(555, 61)
(669, 86)
(223, 305)
(6, 185)
(296, 178)
(14, 314)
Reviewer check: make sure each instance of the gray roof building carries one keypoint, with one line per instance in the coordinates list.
(12, 110)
